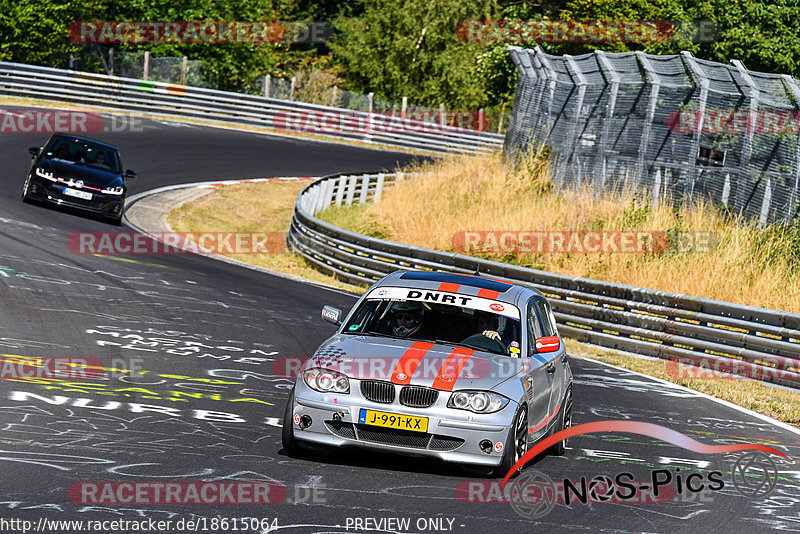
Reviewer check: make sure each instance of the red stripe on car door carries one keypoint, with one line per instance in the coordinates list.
(451, 368)
(409, 361)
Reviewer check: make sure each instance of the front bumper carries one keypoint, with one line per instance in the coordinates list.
(452, 435)
(47, 191)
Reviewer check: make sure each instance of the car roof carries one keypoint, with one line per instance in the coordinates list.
(85, 139)
(459, 283)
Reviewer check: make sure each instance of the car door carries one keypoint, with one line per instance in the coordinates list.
(539, 379)
(558, 359)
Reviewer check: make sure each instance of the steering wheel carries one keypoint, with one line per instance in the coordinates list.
(491, 345)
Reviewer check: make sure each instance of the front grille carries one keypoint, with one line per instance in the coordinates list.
(418, 397)
(343, 430)
(445, 443)
(390, 436)
(378, 391)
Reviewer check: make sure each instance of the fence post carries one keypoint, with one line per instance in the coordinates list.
(184, 66)
(317, 199)
(351, 190)
(552, 75)
(328, 198)
(342, 181)
(364, 189)
(370, 97)
(333, 97)
(441, 115)
(267, 85)
(747, 149)
(146, 73)
(655, 86)
(791, 207)
(379, 187)
(698, 76)
(481, 119)
(578, 112)
(610, 109)
(111, 61)
(291, 88)
(404, 108)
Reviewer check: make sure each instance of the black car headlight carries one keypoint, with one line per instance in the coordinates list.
(45, 174)
(326, 381)
(477, 401)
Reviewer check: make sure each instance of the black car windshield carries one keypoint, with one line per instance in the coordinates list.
(84, 153)
(438, 323)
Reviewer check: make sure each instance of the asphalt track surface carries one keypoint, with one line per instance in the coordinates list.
(186, 320)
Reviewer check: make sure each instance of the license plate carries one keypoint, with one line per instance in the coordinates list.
(393, 420)
(77, 194)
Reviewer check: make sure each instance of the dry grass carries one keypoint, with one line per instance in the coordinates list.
(256, 207)
(748, 265)
(774, 402)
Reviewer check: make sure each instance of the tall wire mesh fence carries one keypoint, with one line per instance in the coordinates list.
(675, 127)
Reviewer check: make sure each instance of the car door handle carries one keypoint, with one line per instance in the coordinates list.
(551, 369)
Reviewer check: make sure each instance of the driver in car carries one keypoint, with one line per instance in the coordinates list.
(407, 318)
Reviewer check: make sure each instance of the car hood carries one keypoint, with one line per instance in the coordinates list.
(441, 366)
(73, 171)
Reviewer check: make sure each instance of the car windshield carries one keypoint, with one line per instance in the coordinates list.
(436, 322)
(84, 153)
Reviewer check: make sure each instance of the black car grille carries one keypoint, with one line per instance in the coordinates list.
(390, 436)
(445, 443)
(378, 391)
(343, 430)
(418, 397)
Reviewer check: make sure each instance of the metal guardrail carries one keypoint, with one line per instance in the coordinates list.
(755, 341)
(207, 104)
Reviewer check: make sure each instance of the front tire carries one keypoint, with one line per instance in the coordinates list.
(516, 444)
(288, 440)
(564, 422)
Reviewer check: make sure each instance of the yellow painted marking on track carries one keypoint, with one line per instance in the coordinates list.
(128, 260)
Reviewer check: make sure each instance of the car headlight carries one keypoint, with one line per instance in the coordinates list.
(44, 174)
(326, 381)
(477, 401)
(113, 190)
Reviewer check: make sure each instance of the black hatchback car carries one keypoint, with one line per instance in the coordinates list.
(78, 172)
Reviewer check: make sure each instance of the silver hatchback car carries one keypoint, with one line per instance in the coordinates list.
(458, 367)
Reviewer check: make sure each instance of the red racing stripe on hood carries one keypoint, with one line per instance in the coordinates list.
(409, 361)
(451, 368)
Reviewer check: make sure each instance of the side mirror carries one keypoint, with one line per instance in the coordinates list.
(548, 344)
(332, 315)
(33, 151)
(129, 173)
